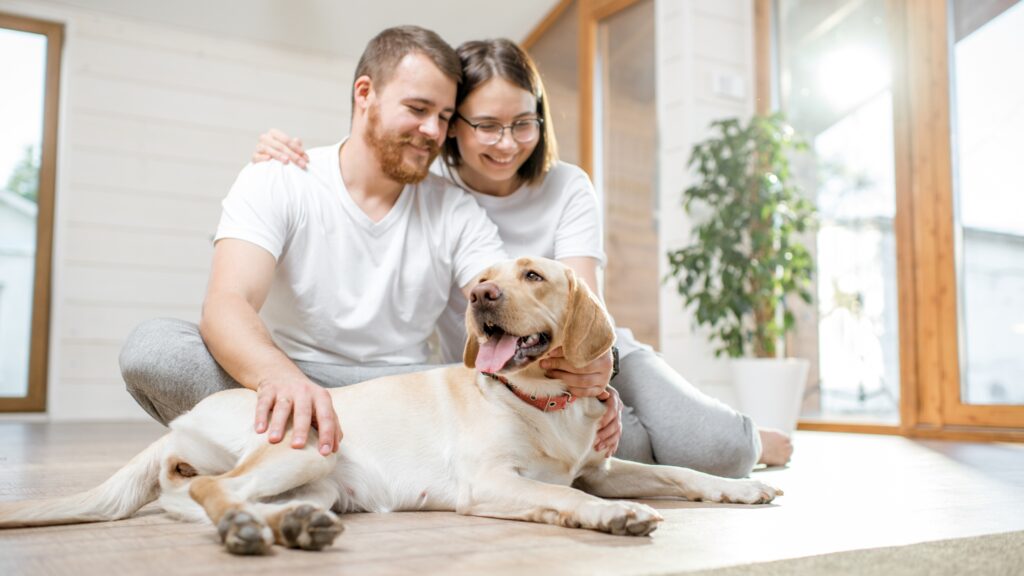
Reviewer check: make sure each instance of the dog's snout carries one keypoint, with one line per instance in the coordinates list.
(485, 293)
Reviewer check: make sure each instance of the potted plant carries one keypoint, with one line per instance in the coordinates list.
(747, 259)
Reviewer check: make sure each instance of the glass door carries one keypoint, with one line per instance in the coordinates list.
(987, 119)
(625, 171)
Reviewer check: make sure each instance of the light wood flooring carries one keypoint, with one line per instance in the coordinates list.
(843, 492)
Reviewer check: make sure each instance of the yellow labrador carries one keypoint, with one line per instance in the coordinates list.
(491, 438)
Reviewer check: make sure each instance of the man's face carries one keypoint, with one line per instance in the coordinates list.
(408, 118)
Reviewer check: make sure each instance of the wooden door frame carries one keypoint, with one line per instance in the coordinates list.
(35, 399)
(930, 371)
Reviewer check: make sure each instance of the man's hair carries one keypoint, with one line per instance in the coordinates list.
(385, 51)
(503, 58)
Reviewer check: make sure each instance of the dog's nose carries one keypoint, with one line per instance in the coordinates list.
(485, 293)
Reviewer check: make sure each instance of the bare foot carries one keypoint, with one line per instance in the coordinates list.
(776, 447)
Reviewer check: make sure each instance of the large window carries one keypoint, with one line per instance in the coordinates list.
(835, 88)
(988, 110)
(29, 58)
(914, 110)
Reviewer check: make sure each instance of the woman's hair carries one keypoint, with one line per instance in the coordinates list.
(486, 59)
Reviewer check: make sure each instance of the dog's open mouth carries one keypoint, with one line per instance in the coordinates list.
(507, 351)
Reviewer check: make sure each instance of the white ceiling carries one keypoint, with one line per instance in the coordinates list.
(337, 27)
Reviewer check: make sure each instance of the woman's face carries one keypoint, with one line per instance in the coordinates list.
(491, 168)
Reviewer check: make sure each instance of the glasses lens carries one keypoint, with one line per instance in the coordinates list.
(526, 130)
(488, 133)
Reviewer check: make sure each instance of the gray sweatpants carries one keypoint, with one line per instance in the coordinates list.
(168, 370)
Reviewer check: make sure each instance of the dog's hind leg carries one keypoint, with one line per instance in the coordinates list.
(302, 518)
(624, 479)
(505, 494)
(231, 499)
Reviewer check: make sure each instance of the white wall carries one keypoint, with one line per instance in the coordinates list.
(697, 41)
(155, 123)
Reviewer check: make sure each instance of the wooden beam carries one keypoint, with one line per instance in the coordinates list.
(549, 20)
(763, 56)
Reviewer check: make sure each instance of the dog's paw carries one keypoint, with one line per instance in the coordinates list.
(749, 492)
(623, 518)
(310, 528)
(244, 534)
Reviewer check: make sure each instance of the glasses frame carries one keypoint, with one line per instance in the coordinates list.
(501, 133)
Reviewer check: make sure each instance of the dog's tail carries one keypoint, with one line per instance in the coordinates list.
(130, 488)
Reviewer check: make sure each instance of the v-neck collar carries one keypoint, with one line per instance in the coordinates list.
(357, 214)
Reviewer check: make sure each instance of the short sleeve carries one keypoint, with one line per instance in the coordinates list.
(579, 231)
(257, 209)
(476, 243)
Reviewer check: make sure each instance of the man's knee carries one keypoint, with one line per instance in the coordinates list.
(148, 348)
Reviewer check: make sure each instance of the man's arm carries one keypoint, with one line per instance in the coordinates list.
(230, 325)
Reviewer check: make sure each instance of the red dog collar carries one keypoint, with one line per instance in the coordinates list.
(546, 404)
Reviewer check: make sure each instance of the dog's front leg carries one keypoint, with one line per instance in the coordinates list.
(506, 494)
(624, 479)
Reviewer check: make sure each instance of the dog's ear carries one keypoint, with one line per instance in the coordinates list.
(588, 331)
(472, 346)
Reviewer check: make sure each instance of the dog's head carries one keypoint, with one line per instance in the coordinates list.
(521, 309)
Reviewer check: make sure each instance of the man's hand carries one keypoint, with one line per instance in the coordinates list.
(588, 381)
(610, 427)
(306, 404)
(276, 145)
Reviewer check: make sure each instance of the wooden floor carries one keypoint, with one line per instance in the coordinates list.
(843, 492)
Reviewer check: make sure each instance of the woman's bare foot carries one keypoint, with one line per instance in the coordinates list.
(776, 447)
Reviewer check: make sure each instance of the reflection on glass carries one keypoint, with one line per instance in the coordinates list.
(555, 55)
(23, 62)
(834, 81)
(988, 90)
(626, 130)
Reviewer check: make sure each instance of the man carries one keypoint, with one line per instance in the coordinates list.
(335, 274)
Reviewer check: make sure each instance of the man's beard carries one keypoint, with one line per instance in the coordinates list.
(389, 148)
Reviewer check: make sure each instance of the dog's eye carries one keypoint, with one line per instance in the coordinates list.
(533, 276)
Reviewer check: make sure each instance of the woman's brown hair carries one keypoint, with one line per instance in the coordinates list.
(483, 60)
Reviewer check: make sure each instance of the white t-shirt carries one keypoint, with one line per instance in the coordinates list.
(348, 290)
(557, 218)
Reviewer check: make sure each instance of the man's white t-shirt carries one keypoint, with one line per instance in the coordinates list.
(348, 290)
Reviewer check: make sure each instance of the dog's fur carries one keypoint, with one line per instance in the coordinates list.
(447, 439)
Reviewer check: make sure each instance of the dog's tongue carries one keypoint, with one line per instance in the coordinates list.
(495, 353)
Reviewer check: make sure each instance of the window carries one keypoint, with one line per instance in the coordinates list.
(30, 59)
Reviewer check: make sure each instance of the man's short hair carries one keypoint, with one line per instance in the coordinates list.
(385, 51)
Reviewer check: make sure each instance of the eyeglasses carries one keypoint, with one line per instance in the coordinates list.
(489, 133)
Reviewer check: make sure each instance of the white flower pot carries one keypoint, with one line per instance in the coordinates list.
(770, 390)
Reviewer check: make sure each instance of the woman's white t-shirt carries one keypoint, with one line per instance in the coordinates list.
(557, 218)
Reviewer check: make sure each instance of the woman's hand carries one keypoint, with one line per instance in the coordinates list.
(587, 381)
(276, 145)
(610, 427)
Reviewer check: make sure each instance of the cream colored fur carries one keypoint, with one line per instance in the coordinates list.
(447, 439)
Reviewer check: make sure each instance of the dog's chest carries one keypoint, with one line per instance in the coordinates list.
(559, 444)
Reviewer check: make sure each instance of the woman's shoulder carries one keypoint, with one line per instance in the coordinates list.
(567, 180)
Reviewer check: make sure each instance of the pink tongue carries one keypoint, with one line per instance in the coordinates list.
(495, 353)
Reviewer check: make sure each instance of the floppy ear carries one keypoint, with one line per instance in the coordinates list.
(588, 330)
(472, 347)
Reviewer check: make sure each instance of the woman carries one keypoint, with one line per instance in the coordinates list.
(501, 149)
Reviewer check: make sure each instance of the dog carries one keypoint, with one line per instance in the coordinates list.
(493, 437)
